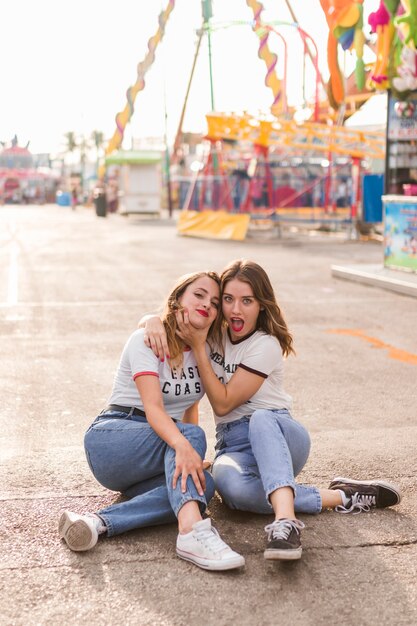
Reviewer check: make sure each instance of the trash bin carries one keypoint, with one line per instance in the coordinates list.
(100, 202)
(63, 198)
(372, 190)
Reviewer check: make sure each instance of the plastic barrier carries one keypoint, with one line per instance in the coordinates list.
(213, 225)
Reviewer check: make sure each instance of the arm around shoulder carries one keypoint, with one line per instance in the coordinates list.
(155, 336)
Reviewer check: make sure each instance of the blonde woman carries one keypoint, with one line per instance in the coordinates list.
(147, 445)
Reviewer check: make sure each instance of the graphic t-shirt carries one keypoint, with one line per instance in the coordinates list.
(258, 353)
(181, 387)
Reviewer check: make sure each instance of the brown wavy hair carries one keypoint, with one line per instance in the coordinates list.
(172, 305)
(270, 319)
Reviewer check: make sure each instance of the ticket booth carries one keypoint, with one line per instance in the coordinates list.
(140, 180)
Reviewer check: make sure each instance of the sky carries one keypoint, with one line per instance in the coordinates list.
(66, 65)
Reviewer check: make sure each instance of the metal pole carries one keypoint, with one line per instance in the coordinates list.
(207, 14)
(168, 181)
(211, 71)
(177, 141)
(167, 159)
(387, 173)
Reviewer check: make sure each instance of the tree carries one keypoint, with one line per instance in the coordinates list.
(98, 138)
(71, 142)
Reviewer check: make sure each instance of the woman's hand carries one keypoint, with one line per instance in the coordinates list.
(188, 463)
(155, 338)
(193, 337)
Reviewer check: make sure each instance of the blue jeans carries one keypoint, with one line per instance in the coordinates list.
(258, 454)
(125, 454)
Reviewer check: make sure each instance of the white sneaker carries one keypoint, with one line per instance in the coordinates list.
(204, 547)
(80, 531)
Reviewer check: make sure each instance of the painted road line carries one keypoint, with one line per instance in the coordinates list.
(392, 351)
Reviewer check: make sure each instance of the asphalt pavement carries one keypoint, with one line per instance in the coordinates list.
(72, 287)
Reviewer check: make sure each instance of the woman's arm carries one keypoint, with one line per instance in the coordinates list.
(188, 461)
(191, 417)
(223, 398)
(155, 336)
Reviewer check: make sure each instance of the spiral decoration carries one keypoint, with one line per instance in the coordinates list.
(124, 116)
(264, 53)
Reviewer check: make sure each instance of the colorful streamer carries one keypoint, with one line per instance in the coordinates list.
(272, 81)
(124, 116)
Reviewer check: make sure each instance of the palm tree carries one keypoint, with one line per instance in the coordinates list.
(98, 138)
(71, 141)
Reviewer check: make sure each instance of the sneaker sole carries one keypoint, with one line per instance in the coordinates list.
(209, 564)
(376, 483)
(77, 534)
(283, 555)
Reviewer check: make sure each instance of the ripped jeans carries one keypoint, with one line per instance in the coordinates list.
(258, 454)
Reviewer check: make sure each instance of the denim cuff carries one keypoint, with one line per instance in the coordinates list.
(109, 525)
(201, 500)
(319, 502)
(276, 486)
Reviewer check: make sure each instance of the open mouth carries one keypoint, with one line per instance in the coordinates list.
(236, 324)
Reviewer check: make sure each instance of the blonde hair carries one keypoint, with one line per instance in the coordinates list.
(172, 305)
(270, 319)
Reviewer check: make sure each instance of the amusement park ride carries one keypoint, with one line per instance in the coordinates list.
(250, 152)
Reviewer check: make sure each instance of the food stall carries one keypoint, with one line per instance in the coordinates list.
(139, 179)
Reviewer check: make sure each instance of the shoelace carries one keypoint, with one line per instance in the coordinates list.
(360, 502)
(211, 540)
(281, 529)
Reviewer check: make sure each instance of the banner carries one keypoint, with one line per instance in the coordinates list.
(213, 225)
(400, 232)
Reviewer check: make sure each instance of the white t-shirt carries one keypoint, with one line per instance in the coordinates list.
(258, 353)
(180, 387)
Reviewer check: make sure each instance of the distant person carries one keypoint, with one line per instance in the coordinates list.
(260, 447)
(112, 195)
(74, 198)
(31, 195)
(146, 443)
(257, 190)
(342, 199)
(239, 183)
(100, 197)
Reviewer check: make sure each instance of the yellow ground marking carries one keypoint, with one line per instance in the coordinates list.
(393, 353)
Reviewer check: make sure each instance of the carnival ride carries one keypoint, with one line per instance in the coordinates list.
(280, 143)
(22, 179)
(251, 144)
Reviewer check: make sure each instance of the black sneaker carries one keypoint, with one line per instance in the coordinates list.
(365, 495)
(284, 540)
